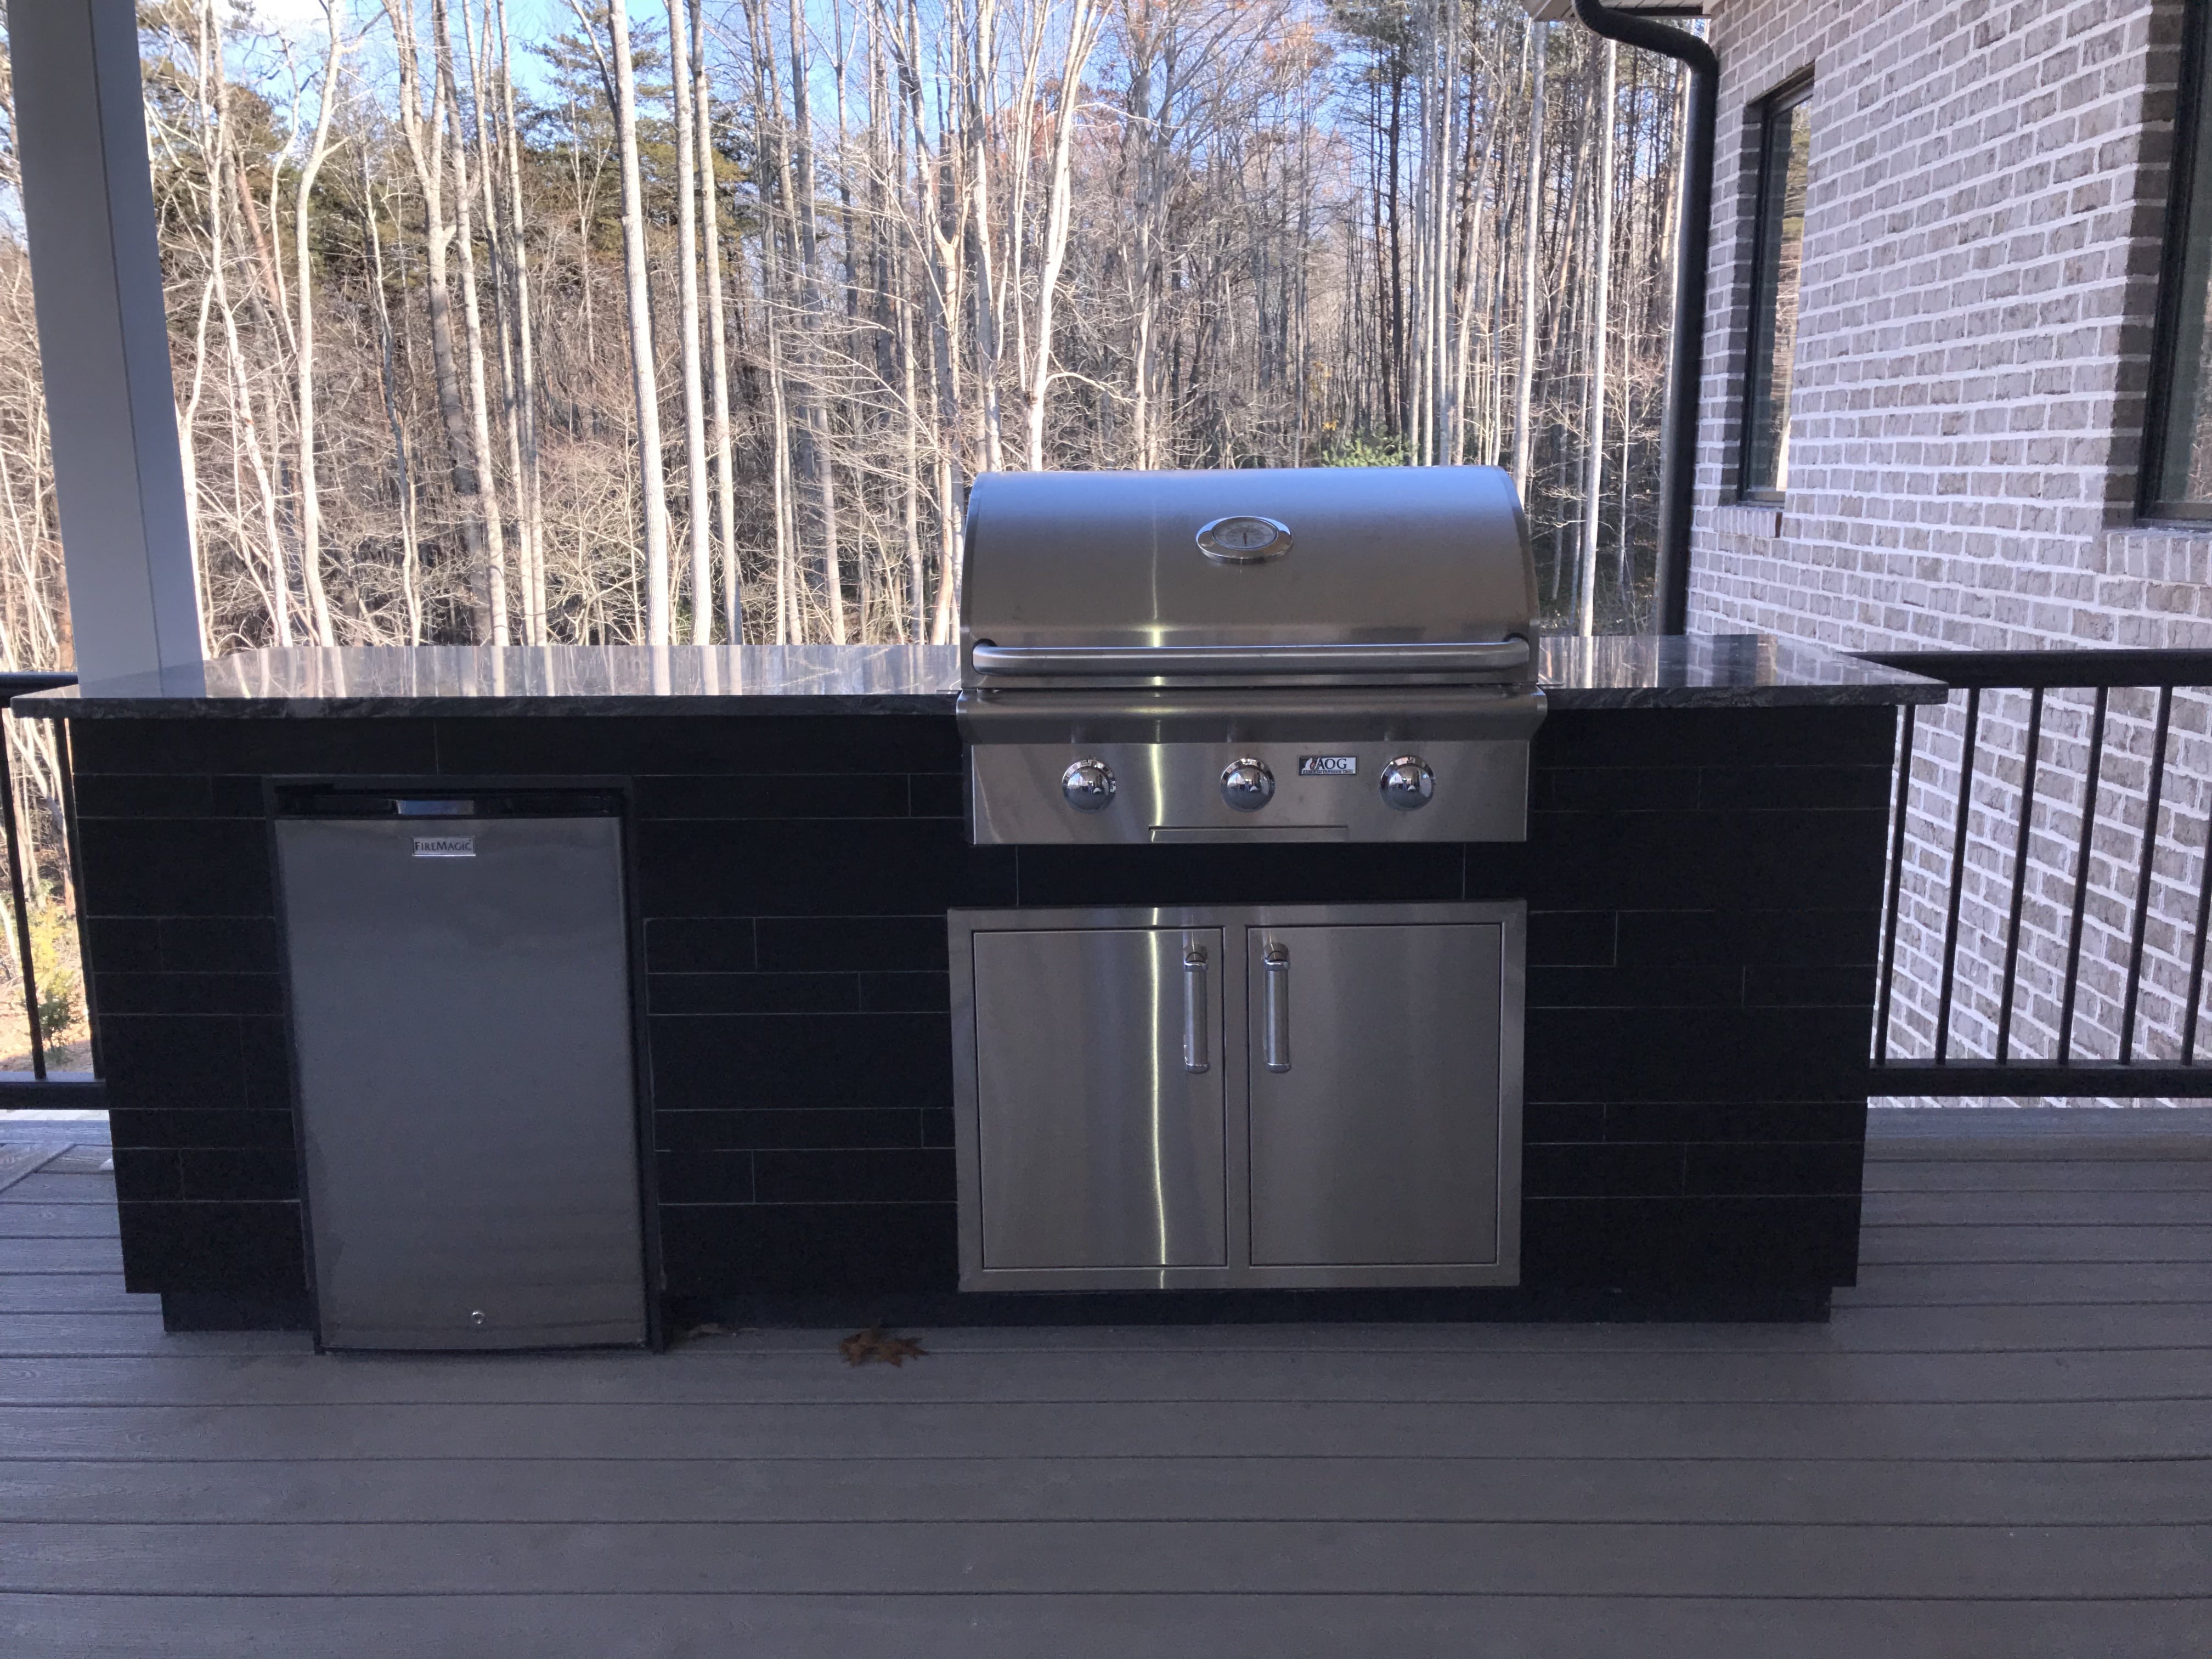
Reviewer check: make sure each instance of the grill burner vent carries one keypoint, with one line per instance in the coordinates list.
(1312, 654)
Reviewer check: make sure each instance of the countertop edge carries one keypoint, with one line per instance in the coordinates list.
(67, 706)
(1744, 697)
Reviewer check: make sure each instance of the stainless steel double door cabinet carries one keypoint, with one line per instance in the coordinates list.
(1238, 1096)
(461, 1031)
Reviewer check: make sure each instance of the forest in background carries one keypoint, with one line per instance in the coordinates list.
(692, 323)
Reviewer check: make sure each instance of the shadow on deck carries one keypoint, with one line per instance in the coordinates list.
(2002, 1445)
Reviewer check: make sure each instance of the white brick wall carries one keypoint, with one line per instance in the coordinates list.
(1987, 196)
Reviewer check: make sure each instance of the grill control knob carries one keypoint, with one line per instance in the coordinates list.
(1407, 783)
(1088, 785)
(1247, 784)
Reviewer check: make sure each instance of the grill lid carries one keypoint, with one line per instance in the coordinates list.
(1354, 572)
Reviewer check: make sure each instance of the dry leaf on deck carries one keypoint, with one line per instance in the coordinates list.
(866, 1347)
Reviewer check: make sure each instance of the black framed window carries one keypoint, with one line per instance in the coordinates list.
(2177, 450)
(1785, 151)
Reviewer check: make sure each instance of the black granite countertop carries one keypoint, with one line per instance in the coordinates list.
(354, 682)
(1718, 671)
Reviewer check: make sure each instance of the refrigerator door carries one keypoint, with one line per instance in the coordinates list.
(461, 1029)
(1099, 1098)
(1375, 1094)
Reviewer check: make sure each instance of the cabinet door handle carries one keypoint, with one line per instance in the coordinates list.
(1276, 958)
(1196, 1055)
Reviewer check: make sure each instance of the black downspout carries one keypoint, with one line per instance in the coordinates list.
(1678, 439)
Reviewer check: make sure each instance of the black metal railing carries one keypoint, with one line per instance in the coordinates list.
(2155, 677)
(23, 868)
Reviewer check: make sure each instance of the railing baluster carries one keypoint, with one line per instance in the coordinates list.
(23, 845)
(2129, 995)
(65, 775)
(2197, 947)
(1897, 879)
(1958, 874)
(23, 915)
(2019, 874)
(2082, 879)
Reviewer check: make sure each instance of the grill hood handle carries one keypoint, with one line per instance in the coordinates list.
(1482, 656)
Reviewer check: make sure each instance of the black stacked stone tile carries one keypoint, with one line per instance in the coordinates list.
(1703, 887)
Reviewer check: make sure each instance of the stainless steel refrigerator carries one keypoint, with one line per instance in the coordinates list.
(462, 1037)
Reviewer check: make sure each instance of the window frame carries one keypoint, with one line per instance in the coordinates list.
(2190, 97)
(1790, 94)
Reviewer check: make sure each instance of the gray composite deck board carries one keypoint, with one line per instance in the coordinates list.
(56, 1187)
(56, 1221)
(62, 1255)
(1881, 1245)
(1985, 1284)
(2036, 1177)
(1410, 1558)
(952, 1624)
(763, 1491)
(77, 1293)
(1220, 1489)
(2140, 1207)
(1386, 1378)
(1739, 1429)
(2002, 1444)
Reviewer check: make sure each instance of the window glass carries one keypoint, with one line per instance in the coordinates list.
(2181, 386)
(1785, 150)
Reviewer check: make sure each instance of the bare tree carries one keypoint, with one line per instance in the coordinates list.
(622, 95)
(311, 539)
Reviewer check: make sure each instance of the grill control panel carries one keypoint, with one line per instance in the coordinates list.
(1452, 789)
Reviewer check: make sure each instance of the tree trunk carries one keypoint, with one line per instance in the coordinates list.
(409, 556)
(687, 325)
(644, 386)
(491, 578)
(1532, 238)
(425, 140)
(1082, 32)
(725, 494)
(311, 516)
(1601, 246)
(503, 241)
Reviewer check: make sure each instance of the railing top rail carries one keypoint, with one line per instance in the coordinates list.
(2050, 670)
(20, 684)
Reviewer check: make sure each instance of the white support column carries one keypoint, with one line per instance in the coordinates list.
(103, 336)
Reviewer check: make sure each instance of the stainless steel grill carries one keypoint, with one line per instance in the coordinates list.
(1314, 654)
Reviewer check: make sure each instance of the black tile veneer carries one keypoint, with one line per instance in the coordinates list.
(158, 1127)
(1702, 886)
(719, 1250)
(249, 1248)
(891, 944)
(771, 1127)
(1644, 1242)
(709, 1062)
